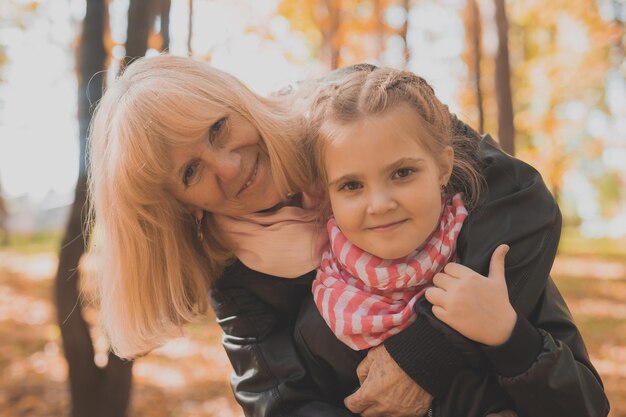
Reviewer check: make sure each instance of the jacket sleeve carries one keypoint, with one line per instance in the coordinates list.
(544, 366)
(516, 208)
(256, 313)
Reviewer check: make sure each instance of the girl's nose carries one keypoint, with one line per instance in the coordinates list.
(381, 202)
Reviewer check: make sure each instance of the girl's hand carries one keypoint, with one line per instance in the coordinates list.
(478, 307)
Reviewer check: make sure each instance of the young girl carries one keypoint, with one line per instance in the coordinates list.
(400, 185)
(398, 191)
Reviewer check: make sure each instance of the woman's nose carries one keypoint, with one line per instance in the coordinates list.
(226, 166)
(381, 202)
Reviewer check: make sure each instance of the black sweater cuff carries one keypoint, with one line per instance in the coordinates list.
(517, 354)
(426, 356)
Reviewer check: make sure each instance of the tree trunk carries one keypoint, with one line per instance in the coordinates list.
(95, 392)
(380, 29)
(406, 4)
(190, 29)
(165, 24)
(329, 18)
(139, 18)
(475, 30)
(506, 129)
(619, 20)
(4, 214)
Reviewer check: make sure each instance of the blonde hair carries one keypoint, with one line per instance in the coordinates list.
(374, 91)
(153, 274)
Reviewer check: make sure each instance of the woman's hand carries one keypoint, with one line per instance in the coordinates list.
(386, 390)
(478, 307)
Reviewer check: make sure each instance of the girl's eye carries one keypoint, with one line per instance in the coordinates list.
(216, 128)
(189, 173)
(403, 172)
(350, 186)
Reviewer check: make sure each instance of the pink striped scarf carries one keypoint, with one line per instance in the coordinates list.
(366, 299)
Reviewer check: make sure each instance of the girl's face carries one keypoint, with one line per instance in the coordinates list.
(226, 172)
(384, 186)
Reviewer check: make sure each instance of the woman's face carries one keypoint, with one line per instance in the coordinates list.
(384, 186)
(227, 171)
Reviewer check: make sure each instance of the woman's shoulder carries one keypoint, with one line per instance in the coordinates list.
(506, 175)
(239, 281)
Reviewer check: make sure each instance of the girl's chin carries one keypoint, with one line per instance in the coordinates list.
(392, 254)
(394, 247)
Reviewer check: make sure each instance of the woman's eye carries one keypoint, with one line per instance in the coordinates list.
(403, 172)
(350, 186)
(189, 173)
(216, 128)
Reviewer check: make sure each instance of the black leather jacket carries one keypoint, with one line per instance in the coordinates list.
(544, 369)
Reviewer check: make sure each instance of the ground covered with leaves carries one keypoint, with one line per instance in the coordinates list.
(189, 376)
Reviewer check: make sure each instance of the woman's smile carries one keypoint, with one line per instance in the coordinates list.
(251, 177)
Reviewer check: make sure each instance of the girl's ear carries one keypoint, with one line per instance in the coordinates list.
(446, 164)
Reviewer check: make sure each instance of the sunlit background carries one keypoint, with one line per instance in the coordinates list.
(568, 82)
(567, 59)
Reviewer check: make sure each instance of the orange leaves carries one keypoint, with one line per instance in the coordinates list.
(344, 31)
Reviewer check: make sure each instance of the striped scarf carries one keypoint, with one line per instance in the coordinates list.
(366, 299)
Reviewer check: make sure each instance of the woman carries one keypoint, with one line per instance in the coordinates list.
(177, 147)
(146, 142)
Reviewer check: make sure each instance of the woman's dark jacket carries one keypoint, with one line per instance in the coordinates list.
(544, 368)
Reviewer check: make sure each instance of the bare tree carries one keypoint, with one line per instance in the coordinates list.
(4, 214)
(95, 391)
(329, 17)
(506, 128)
(379, 30)
(165, 24)
(190, 29)
(140, 17)
(475, 31)
(406, 4)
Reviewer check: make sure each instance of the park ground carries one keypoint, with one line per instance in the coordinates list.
(189, 376)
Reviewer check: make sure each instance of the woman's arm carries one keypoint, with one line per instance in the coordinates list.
(551, 361)
(541, 361)
(257, 313)
(544, 366)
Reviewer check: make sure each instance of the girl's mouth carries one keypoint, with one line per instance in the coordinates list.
(387, 227)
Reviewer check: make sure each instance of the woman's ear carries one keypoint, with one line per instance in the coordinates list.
(198, 214)
(446, 164)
